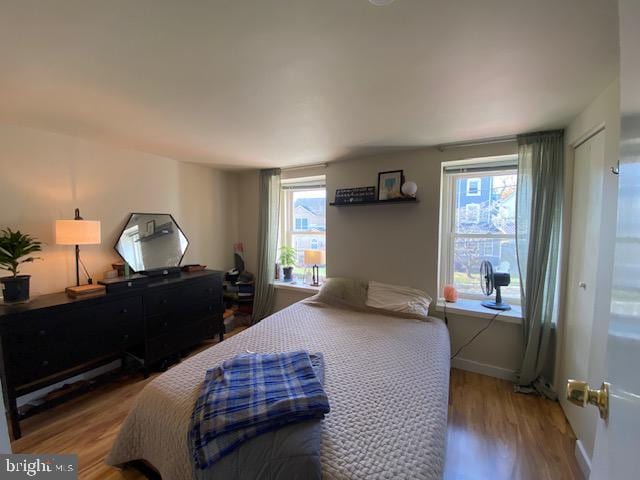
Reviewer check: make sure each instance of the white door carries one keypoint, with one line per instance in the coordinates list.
(617, 450)
(618, 440)
(589, 278)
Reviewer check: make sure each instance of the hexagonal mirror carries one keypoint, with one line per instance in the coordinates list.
(151, 241)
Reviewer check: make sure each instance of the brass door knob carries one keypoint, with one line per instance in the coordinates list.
(579, 393)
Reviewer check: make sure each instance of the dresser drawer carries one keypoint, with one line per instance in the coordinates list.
(168, 322)
(53, 342)
(34, 354)
(161, 347)
(205, 290)
(172, 343)
(169, 344)
(109, 328)
(165, 301)
(178, 299)
(160, 324)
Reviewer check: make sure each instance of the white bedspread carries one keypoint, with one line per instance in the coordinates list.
(386, 377)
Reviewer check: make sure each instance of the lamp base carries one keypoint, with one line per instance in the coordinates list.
(85, 290)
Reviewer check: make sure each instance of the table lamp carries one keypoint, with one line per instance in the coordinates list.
(78, 232)
(315, 258)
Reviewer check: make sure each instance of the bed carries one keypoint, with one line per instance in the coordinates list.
(386, 377)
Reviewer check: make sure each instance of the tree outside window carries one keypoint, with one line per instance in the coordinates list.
(482, 227)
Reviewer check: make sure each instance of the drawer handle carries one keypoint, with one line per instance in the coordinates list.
(43, 333)
(45, 363)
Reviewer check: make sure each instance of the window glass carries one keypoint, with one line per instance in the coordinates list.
(474, 186)
(303, 226)
(469, 253)
(482, 226)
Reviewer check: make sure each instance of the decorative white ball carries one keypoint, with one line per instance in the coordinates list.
(409, 189)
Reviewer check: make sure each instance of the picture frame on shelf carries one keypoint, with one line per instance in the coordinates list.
(389, 184)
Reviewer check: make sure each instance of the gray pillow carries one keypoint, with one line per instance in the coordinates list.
(349, 290)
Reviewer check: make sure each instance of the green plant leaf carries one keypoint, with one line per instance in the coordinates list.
(14, 245)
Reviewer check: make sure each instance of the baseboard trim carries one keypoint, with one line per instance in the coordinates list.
(584, 462)
(484, 369)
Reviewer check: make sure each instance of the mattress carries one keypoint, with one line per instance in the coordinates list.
(386, 377)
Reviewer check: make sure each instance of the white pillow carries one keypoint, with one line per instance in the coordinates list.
(396, 298)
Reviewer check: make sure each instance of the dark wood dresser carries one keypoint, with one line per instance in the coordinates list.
(53, 337)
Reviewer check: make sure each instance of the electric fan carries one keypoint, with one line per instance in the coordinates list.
(490, 280)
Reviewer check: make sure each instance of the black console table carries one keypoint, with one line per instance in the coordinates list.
(53, 337)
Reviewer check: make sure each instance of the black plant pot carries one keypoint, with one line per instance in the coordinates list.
(15, 289)
(288, 274)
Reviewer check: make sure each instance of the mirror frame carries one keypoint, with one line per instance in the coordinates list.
(124, 227)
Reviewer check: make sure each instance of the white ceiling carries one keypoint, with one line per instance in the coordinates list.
(282, 82)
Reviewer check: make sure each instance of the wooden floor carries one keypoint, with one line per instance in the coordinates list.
(493, 433)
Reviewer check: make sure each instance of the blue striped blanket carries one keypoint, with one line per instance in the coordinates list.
(252, 394)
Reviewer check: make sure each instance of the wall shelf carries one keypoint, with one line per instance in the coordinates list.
(375, 202)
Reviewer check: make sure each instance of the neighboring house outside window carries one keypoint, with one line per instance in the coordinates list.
(302, 223)
(472, 213)
(303, 219)
(474, 187)
(478, 213)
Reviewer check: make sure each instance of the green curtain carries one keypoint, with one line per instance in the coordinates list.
(269, 210)
(538, 223)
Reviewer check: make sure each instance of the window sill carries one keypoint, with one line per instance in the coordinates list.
(473, 308)
(296, 286)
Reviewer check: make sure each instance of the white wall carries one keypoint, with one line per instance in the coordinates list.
(393, 243)
(399, 243)
(247, 198)
(44, 176)
(285, 297)
(247, 195)
(603, 111)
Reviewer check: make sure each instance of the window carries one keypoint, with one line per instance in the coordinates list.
(474, 187)
(303, 219)
(302, 224)
(478, 223)
(472, 213)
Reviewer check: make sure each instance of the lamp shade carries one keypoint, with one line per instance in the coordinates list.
(77, 232)
(314, 257)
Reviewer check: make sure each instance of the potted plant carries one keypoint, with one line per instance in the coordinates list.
(287, 260)
(14, 247)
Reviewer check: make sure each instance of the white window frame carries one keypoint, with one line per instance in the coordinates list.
(478, 182)
(447, 218)
(287, 212)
